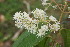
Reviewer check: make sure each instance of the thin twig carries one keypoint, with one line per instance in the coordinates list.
(57, 5)
(66, 12)
(62, 12)
(17, 34)
(28, 6)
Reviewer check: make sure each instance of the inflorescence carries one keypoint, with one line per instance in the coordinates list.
(39, 24)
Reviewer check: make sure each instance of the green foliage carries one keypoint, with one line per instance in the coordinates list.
(9, 7)
(30, 40)
(44, 43)
(27, 40)
(66, 36)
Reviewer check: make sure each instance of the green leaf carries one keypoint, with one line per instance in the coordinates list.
(27, 40)
(66, 36)
(43, 43)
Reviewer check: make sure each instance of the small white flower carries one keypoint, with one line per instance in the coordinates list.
(17, 16)
(44, 27)
(55, 27)
(35, 21)
(18, 24)
(32, 28)
(42, 31)
(39, 14)
(52, 18)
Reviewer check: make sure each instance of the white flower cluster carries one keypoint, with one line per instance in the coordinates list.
(56, 26)
(32, 24)
(52, 18)
(43, 30)
(23, 20)
(39, 14)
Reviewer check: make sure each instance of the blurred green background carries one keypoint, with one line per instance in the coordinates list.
(8, 9)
